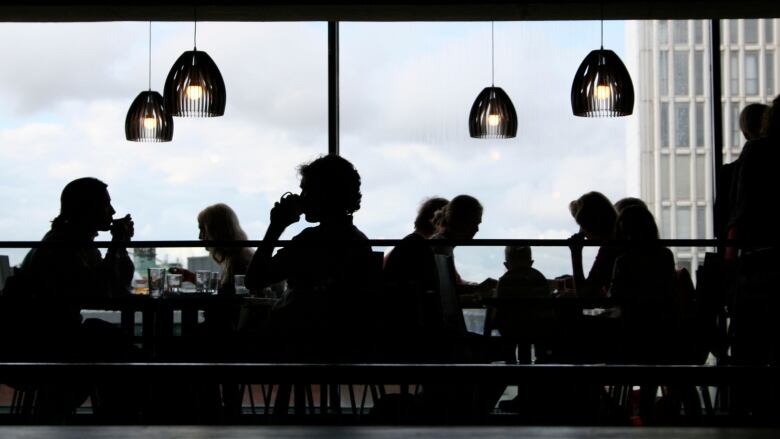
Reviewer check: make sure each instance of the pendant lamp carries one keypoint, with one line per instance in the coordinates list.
(147, 120)
(602, 86)
(194, 86)
(492, 115)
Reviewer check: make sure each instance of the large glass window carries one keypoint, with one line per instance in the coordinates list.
(682, 120)
(64, 119)
(681, 72)
(751, 31)
(406, 90)
(681, 32)
(751, 73)
(682, 177)
(769, 31)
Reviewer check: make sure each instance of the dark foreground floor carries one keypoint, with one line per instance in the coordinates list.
(277, 432)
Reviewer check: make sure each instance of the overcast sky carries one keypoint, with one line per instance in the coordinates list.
(406, 90)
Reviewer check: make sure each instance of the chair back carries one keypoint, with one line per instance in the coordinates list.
(5, 270)
(452, 314)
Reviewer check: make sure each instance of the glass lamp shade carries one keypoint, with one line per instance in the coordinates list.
(493, 116)
(147, 120)
(194, 87)
(602, 87)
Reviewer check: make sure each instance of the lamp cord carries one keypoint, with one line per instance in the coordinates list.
(602, 25)
(150, 56)
(195, 27)
(492, 57)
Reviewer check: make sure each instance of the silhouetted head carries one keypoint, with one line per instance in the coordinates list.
(86, 205)
(750, 120)
(517, 256)
(219, 222)
(330, 188)
(771, 125)
(460, 218)
(636, 223)
(595, 215)
(623, 203)
(424, 224)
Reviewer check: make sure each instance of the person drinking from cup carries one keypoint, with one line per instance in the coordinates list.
(327, 266)
(56, 279)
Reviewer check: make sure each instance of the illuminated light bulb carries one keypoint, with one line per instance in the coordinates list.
(603, 92)
(493, 120)
(194, 92)
(150, 123)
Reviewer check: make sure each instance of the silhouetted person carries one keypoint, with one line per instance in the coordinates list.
(596, 217)
(643, 288)
(754, 323)
(219, 222)
(459, 220)
(328, 271)
(750, 120)
(627, 202)
(58, 279)
(410, 275)
(530, 322)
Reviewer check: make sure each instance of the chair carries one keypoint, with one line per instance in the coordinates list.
(5, 270)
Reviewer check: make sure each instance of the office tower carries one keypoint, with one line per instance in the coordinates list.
(671, 67)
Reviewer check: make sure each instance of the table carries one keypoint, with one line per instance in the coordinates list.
(158, 313)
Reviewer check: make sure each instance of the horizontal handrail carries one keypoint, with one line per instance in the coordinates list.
(394, 242)
(381, 373)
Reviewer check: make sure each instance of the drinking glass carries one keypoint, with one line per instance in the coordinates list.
(156, 281)
(238, 281)
(174, 283)
(202, 281)
(214, 282)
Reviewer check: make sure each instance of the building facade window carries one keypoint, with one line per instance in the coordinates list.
(681, 73)
(700, 194)
(663, 73)
(698, 31)
(664, 176)
(733, 31)
(700, 124)
(751, 72)
(663, 31)
(682, 177)
(769, 31)
(666, 223)
(698, 72)
(736, 133)
(682, 125)
(701, 222)
(750, 31)
(769, 75)
(683, 217)
(664, 124)
(734, 73)
(680, 32)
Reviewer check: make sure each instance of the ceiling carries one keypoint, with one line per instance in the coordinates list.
(379, 10)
